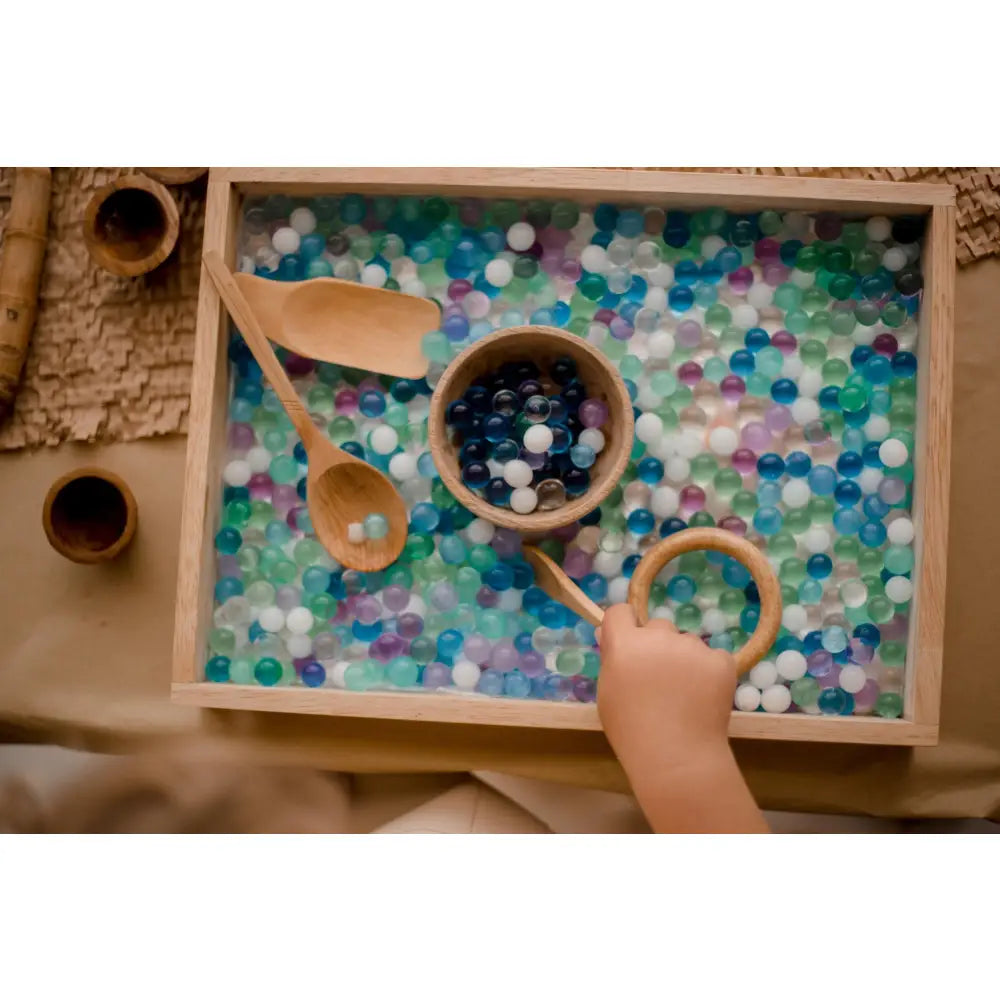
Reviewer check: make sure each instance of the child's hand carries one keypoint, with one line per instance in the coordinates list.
(661, 691)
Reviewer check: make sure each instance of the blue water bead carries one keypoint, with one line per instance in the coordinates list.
(868, 633)
(847, 520)
(742, 363)
(630, 223)
(822, 480)
(749, 617)
(880, 401)
(641, 521)
(819, 566)
(686, 272)
(475, 475)
(633, 389)
(300, 454)
(228, 586)
(498, 491)
(506, 451)
(459, 415)
(721, 640)
(860, 356)
(516, 684)
(475, 450)
(490, 682)
(768, 520)
(875, 508)
(249, 389)
(854, 439)
(677, 229)
(751, 593)
(878, 370)
(496, 427)
(756, 338)
(629, 565)
(729, 259)
(650, 470)
(784, 391)
(582, 456)
(829, 397)
(278, 532)
(843, 657)
(312, 245)
(366, 633)
(812, 642)
(847, 493)
(217, 670)
(850, 464)
(872, 534)
(534, 598)
(770, 466)
(629, 310)
(904, 364)
(671, 526)
(452, 550)
(797, 464)
(606, 217)
(680, 298)
(834, 701)
(426, 466)
(552, 615)
(228, 541)
(542, 317)
(449, 642)
(291, 267)
(870, 456)
(810, 592)
(315, 579)
(681, 588)
(561, 440)
(857, 418)
(834, 639)
(500, 576)
(425, 517)
(313, 674)
(524, 574)
(371, 403)
(735, 573)
(594, 586)
(787, 642)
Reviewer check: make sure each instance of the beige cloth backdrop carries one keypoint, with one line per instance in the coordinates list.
(85, 651)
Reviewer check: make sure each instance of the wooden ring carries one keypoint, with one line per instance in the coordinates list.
(692, 539)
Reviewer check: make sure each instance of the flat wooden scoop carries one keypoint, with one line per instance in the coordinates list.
(344, 322)
(340, 488)
(549, 576)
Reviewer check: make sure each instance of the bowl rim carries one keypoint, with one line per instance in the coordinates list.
(537, 520)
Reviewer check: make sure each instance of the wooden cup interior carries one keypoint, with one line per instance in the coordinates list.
(543, 345)
(89, 516)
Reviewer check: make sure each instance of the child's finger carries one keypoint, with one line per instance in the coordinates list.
(661, 625)
(616, 618)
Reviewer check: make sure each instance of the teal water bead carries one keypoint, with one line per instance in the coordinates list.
(715, 369)
(436, 346)
(315, 580)
(630, 366)
(278, 533)
(898, 559)
(284, 469)
(769, 361)
(492, 624)
(241, 670)
(228, 541)
(376, 526)
(308, 551)
(274, 440)
(663, 383)
(237, 513)
(402, 671)
(217, 669)
(267, 671)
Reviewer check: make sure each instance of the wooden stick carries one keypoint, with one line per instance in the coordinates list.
(21, 273)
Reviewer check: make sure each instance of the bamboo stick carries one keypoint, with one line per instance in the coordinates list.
(20, 274)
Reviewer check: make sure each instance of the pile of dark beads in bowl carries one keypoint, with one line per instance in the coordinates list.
(527, 438)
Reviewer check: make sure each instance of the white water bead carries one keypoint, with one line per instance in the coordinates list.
(853, 593)
(663, 613)
(588, 539)
(523, 500)
(661, 344)
(373, 275)
(302, 220)
(415, 288)
(816, 540)
(517, 473)
(259, 459)
(608, 564)
(237, 472)
(499, 272)
(476, 305)
(510, 600)
(870, 479)
(900, 531)
(663, 449)
(804, 411)
(495, 467)
(744, 316)
(852, 678)
(647, 399)
(592, 438)
(521, 236)
(802, 279)
(479, 531)
(618, 590)
(538, 438)
(648, 428)
(864, 335)
(355, 532)
(666, 501)
(796, 493)
(402, 466)
(656, 299)
(747, 698)
(384, 440)
(298, 645)
(893, 453)
(271, 619)
(337, 673)
(760, 295)
(286, 240)
(677, 469)
(689, 444)
(795, 617)
(894, 259)
(661, 276)
(594, 259)
(465, 675)
(299, 620)
(898, 589)
(723, 440)
(711, 245)
(878, 228)
(247, 264)
(763, 675)
(877, 427)
(714, 621)
(810, 382)
(416, 606)
(776, 699)
(403, 269)
(796, 223)
(791, 665)
(792, 367)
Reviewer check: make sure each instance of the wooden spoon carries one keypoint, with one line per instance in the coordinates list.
(551, 578)
(341, 489)
(344, 322)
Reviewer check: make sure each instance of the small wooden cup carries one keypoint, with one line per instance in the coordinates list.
(131, 225)
(89, 515)
(541, 344)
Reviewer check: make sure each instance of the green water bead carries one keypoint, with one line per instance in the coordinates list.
(578, 325)
(402, 671)
(418, 547)
(853, 398)
(630, 366)
(237, 513)
(284, 572)
(262, 420)
(726, 482)
(798, 521)
(591, 664)
(893, 654)
(565, 215)
(781, 545)
(663, 383)
(870, 562)
(267, 671)
(362, 675)
(902, 415)
(732, 601)
(789, 594)
(899, 559)
(813, 353)
(715, 369)
(482, 558)
(903, 388)
(769, 362)
(341, 429)
(821, 510)
(570, 662)
(842, 322)
(436, 346)
(880, 609)
(874, 585)
(701, 519)
(889, 705)
(809, 258)
(796, 321)
(853, 236)
(396, 415)
(867, 313)
(467, 583)
(804, 691)
(717, 317)
(260, 594)
(492, 623)
(323, 606)
(731, 339)
(284, 469)
(308, 551)
(687, 618)
(657, 594)
(787, 296)
(614, 349)
(710, 585)
(320, 399)
(893, 314)
(248, 558)
(835, 371)
(423, 649)
(758, 384)
(814, 298)
(744, 504)
(769, 222)
(222, 641)
(792, 571)
(703, 468)
(241, 671)
(846, 549)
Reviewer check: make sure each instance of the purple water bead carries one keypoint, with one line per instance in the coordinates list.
(298, 518)
(395, 597)
(571, 270)
(228, 566)
(296, 365)
(778, 419)
(458, 289)
(689, 373)
(755, 436)
(506, 543)
(768, 251)
(504, 656)
(820, 663)
(584, 688)
(566, 532)
(861, 652)
(387, 646)
(832, 679)
(436, 675)
(828, 226)
(284, 497)
(367, 609)
(734, 524)
(593, 413)
(487, 597)
(692, 498)
(784, 341)
(409, 625)
(535, 459)
(477, 648)
(740, 280)
(775, 274)
(733, 388)
(241, 437)
(260, 486)
(744, 461)
(864, 700)
(287, 597)
(892, 489)
(532, 663)
(346, 402)
(620, 329)
(577, 563)
(688, 334)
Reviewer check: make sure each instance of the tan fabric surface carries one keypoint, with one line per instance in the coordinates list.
(84, 651)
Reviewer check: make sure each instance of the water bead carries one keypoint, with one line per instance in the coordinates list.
(376, 526)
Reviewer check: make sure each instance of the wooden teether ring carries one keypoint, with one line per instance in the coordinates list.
(694, 539)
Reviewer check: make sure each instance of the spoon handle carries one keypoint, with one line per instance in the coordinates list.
(551, 577)
(258, 343)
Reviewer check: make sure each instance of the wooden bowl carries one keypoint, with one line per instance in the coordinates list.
(175, 176)
(89, 515)
(542, 344)
(131, 225)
